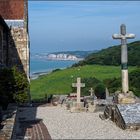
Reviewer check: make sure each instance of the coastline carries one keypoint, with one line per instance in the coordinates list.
(36, 75)
(42, 67)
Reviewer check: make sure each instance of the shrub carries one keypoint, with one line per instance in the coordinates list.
(100, 91)
(89, 83)
(14, 86)
(56, 70)
(113, 84)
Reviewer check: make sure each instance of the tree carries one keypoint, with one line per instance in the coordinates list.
(100, 91)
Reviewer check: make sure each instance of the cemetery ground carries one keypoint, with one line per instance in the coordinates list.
(59, 82)
(56, 122)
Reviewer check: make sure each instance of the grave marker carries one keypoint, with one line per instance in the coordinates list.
(124, 56)
(78, 85)
(91, 92)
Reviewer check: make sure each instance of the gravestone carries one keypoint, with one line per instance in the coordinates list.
(89, 103)
(125, 96)
(78, 105)
(91, 92)
(127, 116)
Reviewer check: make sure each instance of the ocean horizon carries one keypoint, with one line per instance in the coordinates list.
(42, 66)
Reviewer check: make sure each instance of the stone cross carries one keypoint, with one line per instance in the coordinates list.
(124, 58)
(107, 93)
(78, 85)
(91, 92)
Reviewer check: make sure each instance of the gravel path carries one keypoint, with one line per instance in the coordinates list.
(62, 124)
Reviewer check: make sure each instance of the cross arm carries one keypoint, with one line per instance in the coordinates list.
(74, 84)
(117, 36)
(82, 84)
(127, 36)
(79, 84)
(130, 36)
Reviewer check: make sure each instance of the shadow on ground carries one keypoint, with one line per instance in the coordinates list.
(27, 126)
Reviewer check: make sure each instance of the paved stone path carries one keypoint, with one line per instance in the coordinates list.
(33, 130)
(29, 127)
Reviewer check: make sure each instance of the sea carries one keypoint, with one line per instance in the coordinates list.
(42, 66)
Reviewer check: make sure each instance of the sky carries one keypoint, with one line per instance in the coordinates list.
(80, 25)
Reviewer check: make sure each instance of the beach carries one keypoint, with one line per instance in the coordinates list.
(40, 67)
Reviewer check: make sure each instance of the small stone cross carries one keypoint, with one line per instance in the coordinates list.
(78, 85)
(91, 92)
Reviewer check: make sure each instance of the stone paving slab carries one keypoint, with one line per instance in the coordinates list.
(28, 127)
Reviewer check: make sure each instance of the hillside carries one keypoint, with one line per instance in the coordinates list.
(59, 82)
(112, 56)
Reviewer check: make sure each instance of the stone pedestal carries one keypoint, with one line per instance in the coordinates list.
(128, 98)
(77, 107)
(91, 107)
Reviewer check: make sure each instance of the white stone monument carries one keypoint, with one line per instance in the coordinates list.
(78, 85)
(79, 104)
(124, 56)
(125, 96)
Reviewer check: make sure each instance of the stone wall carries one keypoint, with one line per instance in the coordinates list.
(14, 47)
(18, 49)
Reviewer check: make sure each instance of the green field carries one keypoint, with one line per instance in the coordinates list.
(59, 82)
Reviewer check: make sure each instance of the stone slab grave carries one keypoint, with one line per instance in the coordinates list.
(128, 115)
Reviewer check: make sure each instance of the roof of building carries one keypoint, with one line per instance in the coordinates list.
(12, 9)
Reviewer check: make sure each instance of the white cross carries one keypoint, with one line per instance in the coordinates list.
(91, 92)
(78, 85)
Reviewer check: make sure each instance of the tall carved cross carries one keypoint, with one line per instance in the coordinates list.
(124, 56)
(78, 85)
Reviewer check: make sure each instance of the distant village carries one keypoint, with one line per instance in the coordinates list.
(59, 56)
(62, 56)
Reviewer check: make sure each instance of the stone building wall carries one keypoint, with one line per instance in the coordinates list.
(15, 41)
(18, 48)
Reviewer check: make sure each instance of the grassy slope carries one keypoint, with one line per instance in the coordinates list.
(60, 82)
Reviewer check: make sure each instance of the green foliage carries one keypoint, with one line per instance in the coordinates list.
(56, 70)
(114, 84)
(60, 82)
(13, 85)
(100, 91)
(112, 56)
(90, 82)
(21, 97)
(134, 80)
